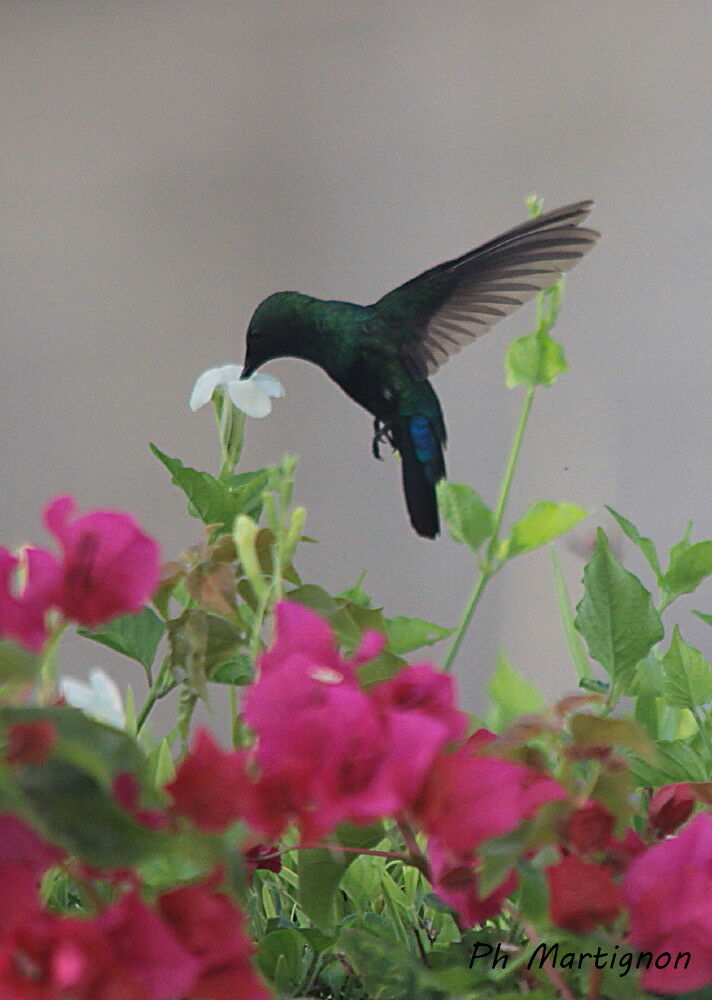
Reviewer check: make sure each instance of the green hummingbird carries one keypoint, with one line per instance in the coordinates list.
(382, 354)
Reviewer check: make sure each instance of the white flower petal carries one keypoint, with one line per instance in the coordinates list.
(250, 398)
(207, 383)
(272, 386)
(100, 698)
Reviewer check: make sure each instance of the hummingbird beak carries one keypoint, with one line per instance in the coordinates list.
(248, 367)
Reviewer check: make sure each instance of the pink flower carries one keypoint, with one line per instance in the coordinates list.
(590, 828)
(671, 806)
(582, 895)
(468, 799)
(22, 615)
(49, 957)
(307, 708)
(668, 891)
(209, 926)
(24, 858)
(425, 690)
(455, 881)
(30, 742)
(211, 785)
(109, 566)
(143, 943)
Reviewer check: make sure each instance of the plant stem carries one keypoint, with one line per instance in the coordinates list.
(490, 566)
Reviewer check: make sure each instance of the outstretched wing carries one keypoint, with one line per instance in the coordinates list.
(453, 303)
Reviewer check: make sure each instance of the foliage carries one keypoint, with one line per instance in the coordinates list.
(362, 838)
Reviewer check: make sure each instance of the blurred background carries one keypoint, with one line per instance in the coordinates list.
(166, 165)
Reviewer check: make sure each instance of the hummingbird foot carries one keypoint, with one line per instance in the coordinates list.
(381, 433)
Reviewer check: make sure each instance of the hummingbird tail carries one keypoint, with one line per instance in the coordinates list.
(423, 465)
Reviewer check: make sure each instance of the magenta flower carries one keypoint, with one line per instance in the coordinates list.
(211, 785)
(582, 895)
(144, 944)
(109, 566)
(468, 799)
(24, 858)
(668, 891)
(307, 707)
(212, 929)
(455, 881)
(23, 612)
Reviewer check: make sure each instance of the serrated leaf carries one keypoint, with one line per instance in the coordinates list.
(573, 639)
(214, 502)
(407, 634)
(136, 636)
(675, 761)
(688, 675)
(468, 517)
(512, 695)
(535, 359)
(616, 615)
(688, 568)
(542, 523)
(644, 544)
(17, 664)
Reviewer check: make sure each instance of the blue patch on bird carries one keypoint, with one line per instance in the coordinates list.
(423, 438)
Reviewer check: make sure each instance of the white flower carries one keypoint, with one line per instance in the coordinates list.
(253, 396)
(100, 698)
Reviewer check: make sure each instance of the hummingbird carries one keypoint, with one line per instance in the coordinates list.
(383, 354)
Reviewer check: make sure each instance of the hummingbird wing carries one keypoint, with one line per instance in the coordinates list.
(449, 305)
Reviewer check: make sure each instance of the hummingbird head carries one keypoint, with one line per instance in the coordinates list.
(273, 331)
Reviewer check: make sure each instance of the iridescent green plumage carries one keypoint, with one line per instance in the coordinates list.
(381, 355)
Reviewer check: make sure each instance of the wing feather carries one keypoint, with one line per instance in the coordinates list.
(458, 301)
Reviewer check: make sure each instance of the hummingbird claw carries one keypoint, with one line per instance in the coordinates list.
(382, 432)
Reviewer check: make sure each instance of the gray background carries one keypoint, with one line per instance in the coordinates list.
(165, 166)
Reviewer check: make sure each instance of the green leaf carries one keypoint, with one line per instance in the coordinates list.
(573, 639)
(320, 872)
(407, 634)
(74, 811)
(542, 523)
(238, 671)
(17, 664)
(286, 944)
(136, 636)
(535, 359)
(512, 696)
(616, 615)
(498, 856)
(93, 746)
(591, 731)
(688, 569)
(215, 502)
(676, 761)
(469, 519)
(199, 645)
(707, 619)
(644, 544)
(688, 675)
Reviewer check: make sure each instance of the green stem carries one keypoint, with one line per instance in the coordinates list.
(48, 669)
(703, 732)
(490, 566)
(156, 692)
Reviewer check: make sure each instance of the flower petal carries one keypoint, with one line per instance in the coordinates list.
(250, 398)
(207, 383)
(272, 386)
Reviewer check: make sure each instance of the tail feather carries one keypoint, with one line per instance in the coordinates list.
(423, 465)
